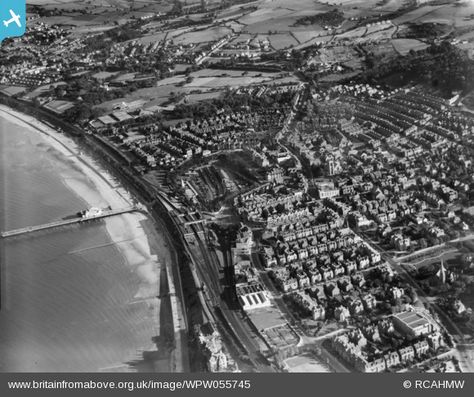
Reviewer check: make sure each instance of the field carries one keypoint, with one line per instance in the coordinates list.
(305, 363)
(233, 12)
(316, 40)
(451, 14)
(205, 84)
(214, 79)
(275, 19)
(111, 4)
(350, 34)
(205, 96)
(177, 32)
(403, 46)
(125, 77)
(11, 90)
(272, 21)
(333, 55)
(42, 90)
(279, 16)
(467, 36)
(350, 31)
(174, 80)
(382, 49)
(80, 30)
(231, 73)
(335, 78)
(103, 75)
(282, 41)
(224, 82)
(154, 96)
(59, 107)
(152, 38)
(202, 36)
(375, 28)
(75, 20)
(366, 8)
(382, 34)
(90, 16)
(307, 35)
(242, 39)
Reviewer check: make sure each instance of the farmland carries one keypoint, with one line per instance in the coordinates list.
(338, 29)
(202, 36)
(251, 31)
(201, 85)
(455, 14)
(403, 46)
(89, 16)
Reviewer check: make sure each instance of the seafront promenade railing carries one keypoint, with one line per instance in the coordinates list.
(65, 222)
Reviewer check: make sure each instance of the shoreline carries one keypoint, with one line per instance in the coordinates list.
(142, 247)
(103, 181)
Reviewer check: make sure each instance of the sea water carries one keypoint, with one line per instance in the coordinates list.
(68, 295)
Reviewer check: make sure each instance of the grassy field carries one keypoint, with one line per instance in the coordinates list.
(231, 73)
(204, 96)
(206, 84)
(280, 16)
(382, 49)
(154, 96)
(275, 16)
(202, 36)
(467, 36)
(89, 16)
(353, 33)
(452, 14)
(273, 20)
(307, 35)
(113, 4)
(403, 46)
(152, 38)
(366, 8)
(224, 82)
(338, 54)
(43, 89)
(174, 80)
(305, 363)
(381, 34)
(282, 41)
(59, 106)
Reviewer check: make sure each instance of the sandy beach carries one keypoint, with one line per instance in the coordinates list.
(108, 191)
(143, 247)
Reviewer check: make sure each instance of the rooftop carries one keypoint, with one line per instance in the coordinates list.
(412, 319)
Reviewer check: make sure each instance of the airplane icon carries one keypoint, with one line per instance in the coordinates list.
(15, 18)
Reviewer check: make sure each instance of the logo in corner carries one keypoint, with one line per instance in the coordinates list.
(12, 18)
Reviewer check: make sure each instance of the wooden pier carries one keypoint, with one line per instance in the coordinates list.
(65, 222)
